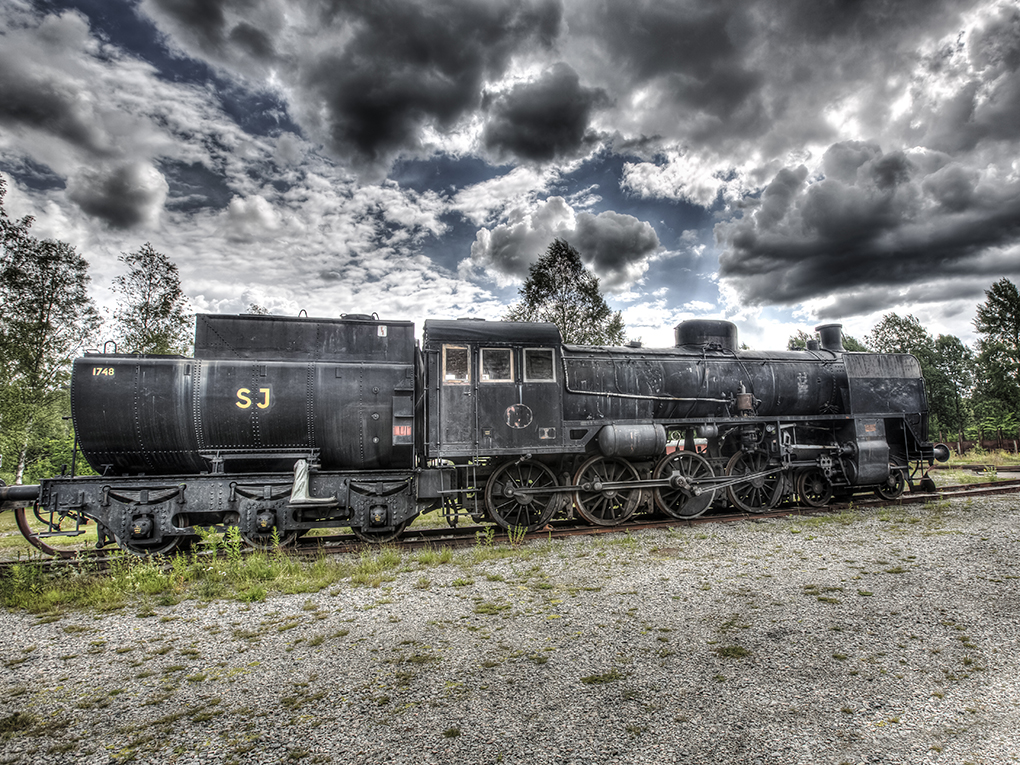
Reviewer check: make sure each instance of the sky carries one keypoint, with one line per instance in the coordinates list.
(777, 163)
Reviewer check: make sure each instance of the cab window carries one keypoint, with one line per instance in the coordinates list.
(456, 366)
(497, 365)
(538, 365)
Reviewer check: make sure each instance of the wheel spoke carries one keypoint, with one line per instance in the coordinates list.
(530, 510)
(814, 488)
(894, 484)
(606, 507)
(755, 495)
(680, 502)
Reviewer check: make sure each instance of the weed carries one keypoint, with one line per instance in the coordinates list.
(732, 651)
(451, 732)
(433, 557)
(489, 608)
(607, 677)
(16, 723)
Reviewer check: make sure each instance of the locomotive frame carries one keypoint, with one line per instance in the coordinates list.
(281, 425)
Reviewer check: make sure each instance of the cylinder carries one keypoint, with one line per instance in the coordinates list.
(632, 440)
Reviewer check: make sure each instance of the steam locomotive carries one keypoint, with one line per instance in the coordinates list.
(280, 425)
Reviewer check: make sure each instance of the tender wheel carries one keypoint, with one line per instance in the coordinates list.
(606, 507)
(757, 494)
(520, 495)
(380, 537)
(257, 525)
(684, 469)
(165, 546)
(894, 484)
(162, 546)
(814, 488)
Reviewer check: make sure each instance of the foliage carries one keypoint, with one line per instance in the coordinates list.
(851, 343)
(998, 362)
(799, 341)
(154, 316)
(899, 334)
(46, 318)
(559, 289)
(257, 310)
(946, 364)
(953, 386)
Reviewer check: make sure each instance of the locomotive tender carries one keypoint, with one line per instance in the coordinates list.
(279, 425)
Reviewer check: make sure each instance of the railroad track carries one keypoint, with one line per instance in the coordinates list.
(977, 468)
(471, 534)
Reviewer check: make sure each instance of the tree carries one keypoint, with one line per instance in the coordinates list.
(946, 365)
(154, 316)
(46, 318)
(955, 362)
(559, 289)
(998, 321)
(851, 343)
(900, 334)
(257, 310)
(799, 341)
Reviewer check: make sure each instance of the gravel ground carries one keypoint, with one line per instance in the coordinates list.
(888, 637)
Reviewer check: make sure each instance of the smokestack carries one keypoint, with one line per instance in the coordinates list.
(831, 336)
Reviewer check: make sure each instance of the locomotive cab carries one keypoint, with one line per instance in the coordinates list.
(492, 388)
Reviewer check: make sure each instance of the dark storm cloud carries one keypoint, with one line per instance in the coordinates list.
(618, 247)
(38, 97)
(30, 103)
(208, 25)
(987, 106)
(738, 79)
(411, 65)
(879, 221)
(694, 53)
(124, 196)
(542, 120)
(396, 68)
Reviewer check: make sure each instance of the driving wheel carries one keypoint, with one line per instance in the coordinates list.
(684, 497)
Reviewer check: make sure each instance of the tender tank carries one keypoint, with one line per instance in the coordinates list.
(261, 392)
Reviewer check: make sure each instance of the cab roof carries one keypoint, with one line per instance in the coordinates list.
(496, 332)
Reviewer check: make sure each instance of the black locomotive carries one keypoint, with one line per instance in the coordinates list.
(280, 425)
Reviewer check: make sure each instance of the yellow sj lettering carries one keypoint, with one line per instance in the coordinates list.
(244, 398)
